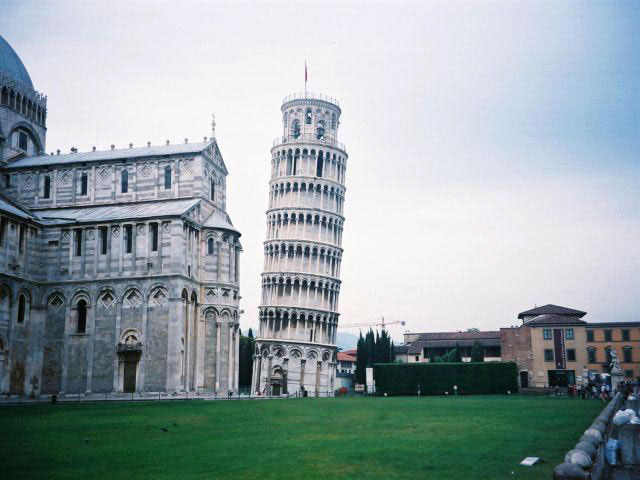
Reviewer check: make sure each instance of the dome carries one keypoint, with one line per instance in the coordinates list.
(11, 65)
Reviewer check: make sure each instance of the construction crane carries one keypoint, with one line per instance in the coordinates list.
(378, 322)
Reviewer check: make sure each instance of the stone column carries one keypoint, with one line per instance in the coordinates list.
(253, 374)
(302, 365)
(174, 345)
(285, 373)
(219, 261)
(269, 370)
(236, 356)
(258, 373)
(318, 371)
(91, 330)
(218, 359)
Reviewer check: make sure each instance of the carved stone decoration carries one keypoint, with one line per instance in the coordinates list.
(166, 227)
(185, 165)
(65, 235)
(28, 180)
(145, 170)
(115, 231)
(132, 299)
(56, 302)
(91, 234)
(107, 299)
(159, 298)
(105, 174)
(65, 177)
(141, 229)
(12, 227)
(211, 294)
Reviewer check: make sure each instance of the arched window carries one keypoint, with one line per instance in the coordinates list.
(320, 130)
(295, 128)
(5, 96)
(289, 163)
(307, 116)
(167, 177)
(319, 165)
(213, 190)
(124, 181)
(84, 182)
(47, 187)
(82, 316)
(210, 246)
(22, 307)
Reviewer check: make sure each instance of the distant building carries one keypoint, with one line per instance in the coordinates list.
(424, 346)
(555, 347)
(346, 369)
(401, 353)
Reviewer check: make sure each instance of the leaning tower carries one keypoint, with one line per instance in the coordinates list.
(296, 343)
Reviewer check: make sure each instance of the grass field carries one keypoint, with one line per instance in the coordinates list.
(429, 437)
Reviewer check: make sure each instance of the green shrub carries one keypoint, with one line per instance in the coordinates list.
(437, 378)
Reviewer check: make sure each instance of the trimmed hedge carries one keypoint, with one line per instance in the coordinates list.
(437, 378)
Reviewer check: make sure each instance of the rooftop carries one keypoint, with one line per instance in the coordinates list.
(143, 210)
(115, 154)
(552, 310)
(12, 66)
(544, 320)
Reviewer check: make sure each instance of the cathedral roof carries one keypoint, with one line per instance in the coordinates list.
(115, 154)
(218, 221)
(105, 213)
(552, 310)
(12, 66)
(12, 207)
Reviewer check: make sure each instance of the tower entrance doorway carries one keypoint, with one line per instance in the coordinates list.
(524, 379)
(130, 370)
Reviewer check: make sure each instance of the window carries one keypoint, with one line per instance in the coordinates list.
(607, 352)
(47, 186)
(308, 116)
(589, 335)
(124, 181)
(320, 130)
(21, 239)
(628, 373)
(607, 335)
(319, 165)
(289, 163)
(210, 246)
(212, 191)
(84, 180)
(548, 355)
(23, 141)
(569, 333)
(333, 121)
(591, 355)
(626, 355)
(103, 240)
(546, 334)
(625, 335)
(7, 181)
(78, 239)
(417, 358)
(167, 177)
(3, 230)
(22, 305)
(571, 355)
(82, 316)
(128, 238)
(154, 237)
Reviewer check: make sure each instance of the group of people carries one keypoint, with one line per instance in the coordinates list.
(591, 391)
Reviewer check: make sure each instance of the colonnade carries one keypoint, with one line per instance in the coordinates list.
(318, 195)
(306, 329)
(308, 163)
(303, 294)
(304, 226)
(306, 259)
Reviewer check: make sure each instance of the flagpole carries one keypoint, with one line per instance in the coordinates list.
(305, 79)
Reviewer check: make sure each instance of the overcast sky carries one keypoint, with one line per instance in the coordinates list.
(494, 147)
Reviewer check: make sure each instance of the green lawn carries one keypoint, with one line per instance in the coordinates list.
(482, 437)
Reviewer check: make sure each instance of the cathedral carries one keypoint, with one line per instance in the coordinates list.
(119, 269)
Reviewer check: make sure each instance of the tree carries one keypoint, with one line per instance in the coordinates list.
(457, 354)
(473, 329)
(393, 352)
(361, 360)
(477, 352)
(245, 358)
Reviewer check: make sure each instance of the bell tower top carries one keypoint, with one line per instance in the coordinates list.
(310, 116)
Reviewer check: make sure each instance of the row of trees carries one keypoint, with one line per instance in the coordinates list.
(373, 348)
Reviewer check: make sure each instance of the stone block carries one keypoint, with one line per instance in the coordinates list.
(579, 457)
(569, 471)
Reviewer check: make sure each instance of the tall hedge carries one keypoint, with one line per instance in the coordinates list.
(437, 378)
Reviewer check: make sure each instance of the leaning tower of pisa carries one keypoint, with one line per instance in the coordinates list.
(296, 343)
